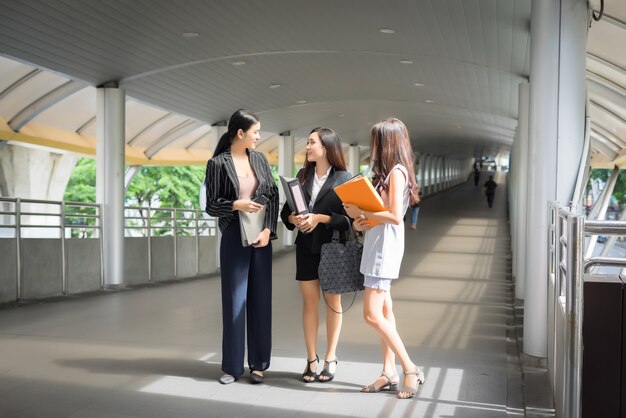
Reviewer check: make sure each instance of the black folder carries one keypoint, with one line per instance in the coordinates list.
(295, 195)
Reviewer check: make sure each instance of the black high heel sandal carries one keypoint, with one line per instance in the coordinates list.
(308, 373)
(326, 373)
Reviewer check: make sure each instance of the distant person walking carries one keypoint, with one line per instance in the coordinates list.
(415, 209)
(476, 176)
(490, 190)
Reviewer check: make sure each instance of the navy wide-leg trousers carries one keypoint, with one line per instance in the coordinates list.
(246, 295)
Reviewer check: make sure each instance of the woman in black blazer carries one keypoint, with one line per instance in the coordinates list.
(324, 169)
(236, 176)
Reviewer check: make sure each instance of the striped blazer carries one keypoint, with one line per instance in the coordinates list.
(222, 188)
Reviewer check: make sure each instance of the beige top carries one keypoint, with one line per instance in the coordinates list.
(247, 186)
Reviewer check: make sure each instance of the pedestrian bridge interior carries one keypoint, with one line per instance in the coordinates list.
(458, 74)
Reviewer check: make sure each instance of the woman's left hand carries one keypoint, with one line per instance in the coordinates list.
(308, 222)
(353, 211)
(262, 239)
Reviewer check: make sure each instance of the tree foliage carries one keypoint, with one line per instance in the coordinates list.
(171, 187)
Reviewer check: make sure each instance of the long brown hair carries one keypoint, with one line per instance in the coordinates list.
(390, 145)
(334, 153)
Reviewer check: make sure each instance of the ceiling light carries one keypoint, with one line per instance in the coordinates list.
(190, 34)
(274, 86)
(341, 115)
(238, 63)
(406, 62)
(429, 101)
(387, 31)
(418, 84)
(301, 101)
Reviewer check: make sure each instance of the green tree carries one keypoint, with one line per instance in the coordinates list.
(169, 187)
(82, 184)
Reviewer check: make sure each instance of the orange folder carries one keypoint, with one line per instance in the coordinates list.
(360, 191)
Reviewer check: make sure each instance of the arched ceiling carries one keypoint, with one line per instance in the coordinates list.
(450, 71)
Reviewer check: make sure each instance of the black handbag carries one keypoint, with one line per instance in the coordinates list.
(339, 268)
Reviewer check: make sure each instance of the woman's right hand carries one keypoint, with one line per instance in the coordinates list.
(247, 205)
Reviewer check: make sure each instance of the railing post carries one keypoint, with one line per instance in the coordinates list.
(576, 265)
(175, 233)
(149, 219)
(18, 246)
(63, 251)
(197, 219)
(99, 220)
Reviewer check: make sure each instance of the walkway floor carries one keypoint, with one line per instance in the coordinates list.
(155, 351)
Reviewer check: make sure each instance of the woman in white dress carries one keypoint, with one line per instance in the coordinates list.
(392, 157)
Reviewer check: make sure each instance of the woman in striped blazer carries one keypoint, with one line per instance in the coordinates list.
(236, 176)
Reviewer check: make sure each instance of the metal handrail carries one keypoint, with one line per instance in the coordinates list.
(567, 266)
(177, 220)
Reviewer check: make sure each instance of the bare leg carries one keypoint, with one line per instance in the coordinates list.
(374, 301)
(333, 329)
(310, 291)
(389, 358)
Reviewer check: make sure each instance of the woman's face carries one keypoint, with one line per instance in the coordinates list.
(315, 151)
(251, 136)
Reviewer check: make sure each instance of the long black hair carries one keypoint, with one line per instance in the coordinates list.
(334, 153)
(241, 119)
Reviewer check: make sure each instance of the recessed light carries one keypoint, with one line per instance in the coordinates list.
(418, 84)
(341, 115)
(274, 86)
(301, 101)
(429, 101)
(406, 62)
(238, 63)
(386, 31)
(190, 34)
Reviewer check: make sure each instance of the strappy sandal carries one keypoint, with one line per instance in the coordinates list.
(391, 383)
(326, 373)
(308, 373)
(412, 390)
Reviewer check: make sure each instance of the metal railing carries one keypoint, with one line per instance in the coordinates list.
(567, 266)
(33, 218)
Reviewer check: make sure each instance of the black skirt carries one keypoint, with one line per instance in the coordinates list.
(307, 264)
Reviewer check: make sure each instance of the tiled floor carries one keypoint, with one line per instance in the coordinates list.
(155, 352)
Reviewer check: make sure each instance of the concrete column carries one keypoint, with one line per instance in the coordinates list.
(354, 159)
(572, 96)
(521, 187)
(542, 152)
(30, 173)
(422, 170)
(110, 190)
(286, 169)
(427, 178)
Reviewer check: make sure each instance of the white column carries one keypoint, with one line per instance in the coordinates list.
(432, 160)
(521, 187)
(572, 96)
(427, 164)
(542, 178)
(286, 169)
(110, 190)
(354, 159)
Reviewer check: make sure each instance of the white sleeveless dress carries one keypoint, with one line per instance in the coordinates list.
(383, 247)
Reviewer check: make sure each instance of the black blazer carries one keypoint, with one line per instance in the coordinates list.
(222, 188)
(327, 203)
